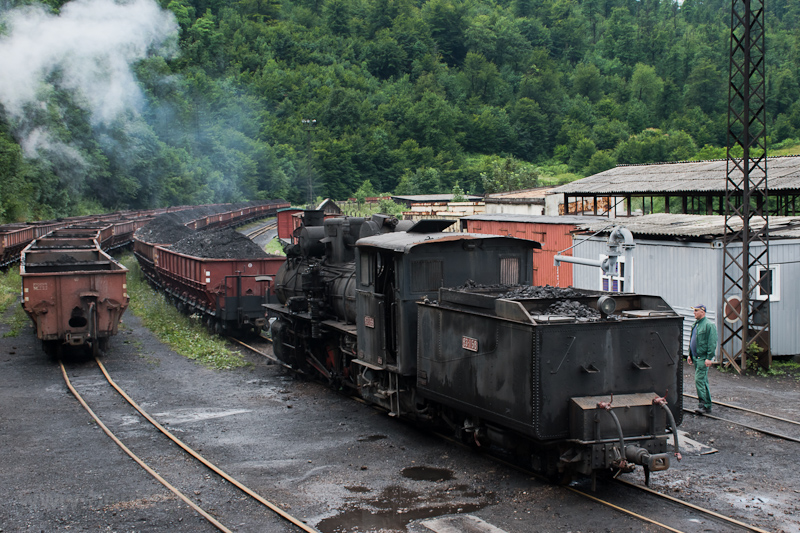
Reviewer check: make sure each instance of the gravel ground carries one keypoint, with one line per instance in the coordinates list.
(327, 459)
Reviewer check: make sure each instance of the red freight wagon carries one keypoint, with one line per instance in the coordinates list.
(74, 296)
(122, 232)
(554, 234)
(286, 223)
(229, 293)
(13, 238)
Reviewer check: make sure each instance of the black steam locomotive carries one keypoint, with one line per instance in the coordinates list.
(444, 328)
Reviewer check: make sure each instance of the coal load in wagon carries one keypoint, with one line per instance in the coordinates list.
(164, 229)
(223, 243)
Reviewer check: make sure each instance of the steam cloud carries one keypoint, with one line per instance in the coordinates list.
(89, 48)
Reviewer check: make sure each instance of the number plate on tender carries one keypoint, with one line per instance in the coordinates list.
(468, 343)
(40, 286)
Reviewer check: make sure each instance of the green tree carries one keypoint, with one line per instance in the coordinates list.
(509, 174)
(365, 191)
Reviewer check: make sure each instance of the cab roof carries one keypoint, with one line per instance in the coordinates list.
(403, 241)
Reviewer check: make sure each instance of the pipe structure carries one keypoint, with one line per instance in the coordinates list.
(620, 243)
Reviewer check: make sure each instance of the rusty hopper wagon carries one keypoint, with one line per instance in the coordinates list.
(74, 293)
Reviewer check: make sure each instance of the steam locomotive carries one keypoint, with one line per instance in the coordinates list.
(445, 329)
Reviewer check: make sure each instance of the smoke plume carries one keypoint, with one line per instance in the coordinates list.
(88, 50)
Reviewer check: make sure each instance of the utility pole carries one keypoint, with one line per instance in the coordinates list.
(746, 270)
(309, 125)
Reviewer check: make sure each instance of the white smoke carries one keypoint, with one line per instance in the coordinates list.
(90, 47)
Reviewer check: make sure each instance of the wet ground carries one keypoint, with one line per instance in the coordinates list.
(327, 459)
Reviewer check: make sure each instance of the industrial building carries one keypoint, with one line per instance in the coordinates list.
(687, 187)
(680, 258)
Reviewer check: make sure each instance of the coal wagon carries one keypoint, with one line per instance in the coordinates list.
(228, 293)
(74, 292)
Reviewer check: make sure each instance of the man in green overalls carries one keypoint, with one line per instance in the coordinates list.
(702, 348)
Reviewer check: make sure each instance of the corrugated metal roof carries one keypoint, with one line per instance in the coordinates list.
(693, 226)
(434, 198)
(535, 219)
(538, 192)
(783, 173)
(402, 241)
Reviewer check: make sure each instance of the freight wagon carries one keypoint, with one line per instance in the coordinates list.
(74, 292)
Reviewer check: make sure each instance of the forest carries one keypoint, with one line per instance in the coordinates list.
(298, 99)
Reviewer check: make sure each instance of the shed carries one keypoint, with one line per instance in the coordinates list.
(439, 207)
(680, 258)
(329, 207)
(553, 233)
(696, 187)
(431, 199)
(522, 202)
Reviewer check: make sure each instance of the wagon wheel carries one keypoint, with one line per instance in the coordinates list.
(95, 340)
(52, 348)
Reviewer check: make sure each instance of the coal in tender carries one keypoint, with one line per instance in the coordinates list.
(222, 243)
(534, 291)
(573, 309)
(168, 228)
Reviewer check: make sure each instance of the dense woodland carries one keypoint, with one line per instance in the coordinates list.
(267, 98)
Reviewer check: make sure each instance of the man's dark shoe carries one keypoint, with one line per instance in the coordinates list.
(703, 410)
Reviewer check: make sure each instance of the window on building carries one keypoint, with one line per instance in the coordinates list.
(615, 282)
(768, 286)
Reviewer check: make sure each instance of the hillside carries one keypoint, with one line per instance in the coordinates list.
(268, 98)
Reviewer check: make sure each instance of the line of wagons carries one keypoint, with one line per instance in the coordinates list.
(75, 292)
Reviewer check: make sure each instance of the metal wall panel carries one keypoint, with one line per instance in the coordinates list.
(553, 238)
(785, 333)
(687, 274)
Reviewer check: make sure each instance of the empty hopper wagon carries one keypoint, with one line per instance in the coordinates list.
(74, 292)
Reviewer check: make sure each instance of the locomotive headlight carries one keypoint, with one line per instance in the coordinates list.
(606, 305)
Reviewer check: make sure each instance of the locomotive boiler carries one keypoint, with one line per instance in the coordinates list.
(445, 329)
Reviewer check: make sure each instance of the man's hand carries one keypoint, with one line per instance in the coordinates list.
(689, 360)
(709, 362)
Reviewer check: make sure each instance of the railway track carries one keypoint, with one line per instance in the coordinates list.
(257, 232)
(187, 480)
(667, 513)
(779, 427)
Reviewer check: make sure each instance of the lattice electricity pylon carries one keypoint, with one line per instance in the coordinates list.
(746, 273)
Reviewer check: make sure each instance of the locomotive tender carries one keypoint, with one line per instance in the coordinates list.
(444, 328)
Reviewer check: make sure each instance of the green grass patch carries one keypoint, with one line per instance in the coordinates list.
(10, 289)
(785, 147)
(274, 247)
(184, 334)
(786, 368)
(17, 321)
